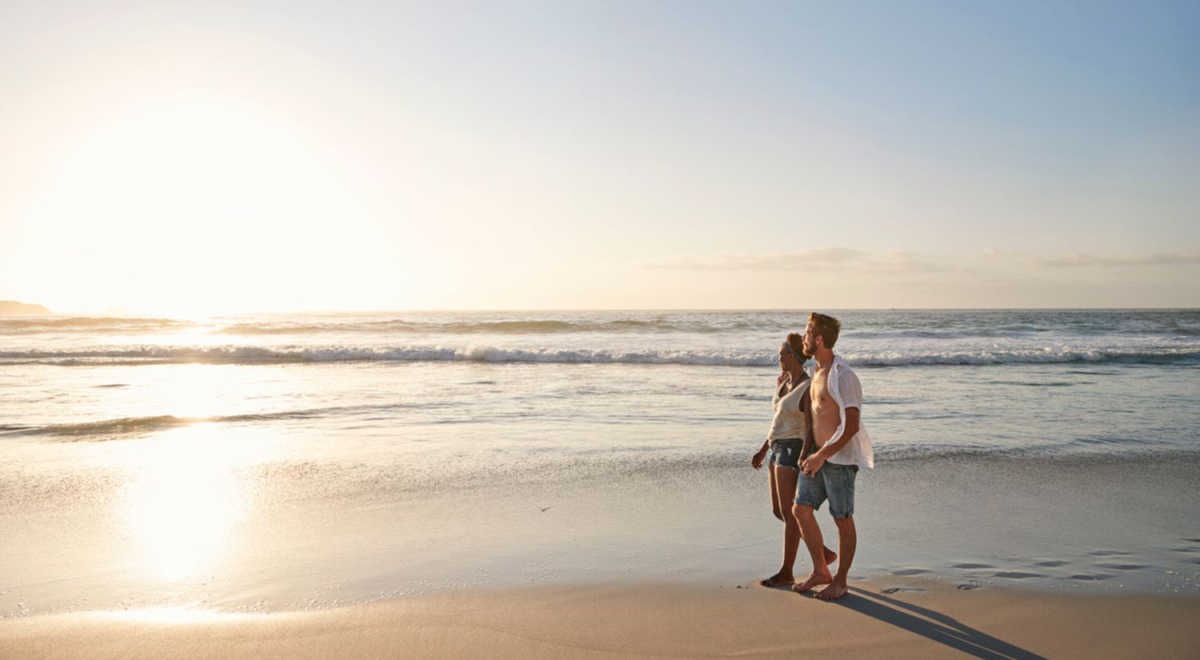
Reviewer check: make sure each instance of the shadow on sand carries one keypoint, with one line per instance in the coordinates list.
(933, 625)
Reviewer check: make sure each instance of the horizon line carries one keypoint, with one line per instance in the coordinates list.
(610, 309)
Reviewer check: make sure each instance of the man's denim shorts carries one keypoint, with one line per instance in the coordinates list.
(833, 482)
(786, 453)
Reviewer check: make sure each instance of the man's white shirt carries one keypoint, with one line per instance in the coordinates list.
(846, 392)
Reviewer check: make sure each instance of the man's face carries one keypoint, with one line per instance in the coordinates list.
(810, 339)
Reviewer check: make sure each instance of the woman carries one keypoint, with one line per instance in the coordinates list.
(788, 442)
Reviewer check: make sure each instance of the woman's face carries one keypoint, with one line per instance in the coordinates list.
(786, 361)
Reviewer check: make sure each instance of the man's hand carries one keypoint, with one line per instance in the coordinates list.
(812, 464)
(758, 458)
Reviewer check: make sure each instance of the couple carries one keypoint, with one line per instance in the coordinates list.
(816, 446)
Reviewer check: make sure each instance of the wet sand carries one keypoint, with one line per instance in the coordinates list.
(893, 618)
(305, 537)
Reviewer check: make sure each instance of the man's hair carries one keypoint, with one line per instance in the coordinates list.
(826, 327)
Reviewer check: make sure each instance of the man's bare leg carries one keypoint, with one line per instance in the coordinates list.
(847, 543)
(784, 479)
(816, 549)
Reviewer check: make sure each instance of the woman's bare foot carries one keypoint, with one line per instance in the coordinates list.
(814, 579)
(830, 556)
(780, 579)
(834, 591)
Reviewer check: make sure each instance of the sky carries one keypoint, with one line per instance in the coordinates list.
(194, 158)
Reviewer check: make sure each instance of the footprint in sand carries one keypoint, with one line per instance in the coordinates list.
(893, 590)
(909, 571)
(970, 566)
(968, 586)
(1109, 553)
(1089, 577)
(1123, 567)
(1053, 563)
(1017, 575)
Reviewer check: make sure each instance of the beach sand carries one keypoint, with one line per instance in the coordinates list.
(894, 618)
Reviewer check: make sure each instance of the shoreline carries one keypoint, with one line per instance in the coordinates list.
(314, 537)
(881, 618)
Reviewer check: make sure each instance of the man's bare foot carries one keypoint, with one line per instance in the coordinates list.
(830, 556)
(780, 579)
(834, 591)
(814, 579)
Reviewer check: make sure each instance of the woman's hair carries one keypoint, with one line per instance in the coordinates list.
(796, 343)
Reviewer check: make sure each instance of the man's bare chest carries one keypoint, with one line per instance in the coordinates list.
(821, 399)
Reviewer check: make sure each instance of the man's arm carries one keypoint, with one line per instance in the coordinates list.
(814, 462)
(850, 391)
(851, 430)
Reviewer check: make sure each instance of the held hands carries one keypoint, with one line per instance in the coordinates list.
(812, 464)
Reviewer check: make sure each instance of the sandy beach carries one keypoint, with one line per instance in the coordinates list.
(370, 505)
(881, 619)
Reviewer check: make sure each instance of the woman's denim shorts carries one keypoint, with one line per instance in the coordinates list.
(786, 453)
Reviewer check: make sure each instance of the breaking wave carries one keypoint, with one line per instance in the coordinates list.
(92, 324)
(530, 327)
(861, 326)
(250, 355)
(151, 423)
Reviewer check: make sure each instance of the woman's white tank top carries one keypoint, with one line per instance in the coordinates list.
(790, 421)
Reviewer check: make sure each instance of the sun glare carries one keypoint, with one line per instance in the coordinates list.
(204, 205)
(185, 494)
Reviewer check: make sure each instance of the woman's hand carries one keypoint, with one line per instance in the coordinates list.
(783, 378)
(757, 461)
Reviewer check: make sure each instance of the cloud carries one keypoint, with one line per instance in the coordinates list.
(797, 260)
(1187, 257)
(1083, 260)
(906, 262)
(825, 257)
(993, 253)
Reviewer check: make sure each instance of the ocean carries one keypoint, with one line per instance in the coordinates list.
(280, 462)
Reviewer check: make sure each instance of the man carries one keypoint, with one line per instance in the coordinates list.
(843, 447)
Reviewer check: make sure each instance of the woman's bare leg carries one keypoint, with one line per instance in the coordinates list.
(784, 481)
(778, 507)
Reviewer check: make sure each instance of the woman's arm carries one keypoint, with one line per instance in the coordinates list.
(757, 460)
(810, 440)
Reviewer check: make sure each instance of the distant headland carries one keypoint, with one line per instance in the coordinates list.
(14, 308)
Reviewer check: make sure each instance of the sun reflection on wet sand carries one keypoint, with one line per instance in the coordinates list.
(171, 615)
(186, 493)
